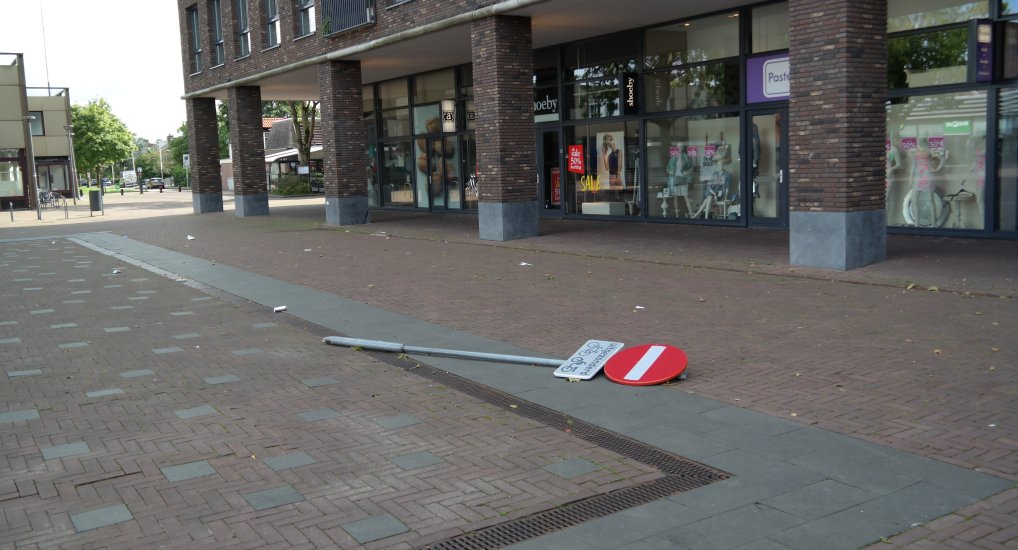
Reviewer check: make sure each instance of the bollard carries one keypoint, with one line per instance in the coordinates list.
(121, 191)
(66, 215)
(10, 204)
(178, 189)
(160, 190)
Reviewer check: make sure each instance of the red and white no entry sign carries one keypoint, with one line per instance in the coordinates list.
(646, 365)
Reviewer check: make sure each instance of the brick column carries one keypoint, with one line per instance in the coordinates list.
(838, 56)
(203, 144)
(503, 61)
(343, 143)
(250, 188)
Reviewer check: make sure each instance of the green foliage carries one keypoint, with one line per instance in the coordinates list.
(100, 138)
(275, 109)
(290, 185)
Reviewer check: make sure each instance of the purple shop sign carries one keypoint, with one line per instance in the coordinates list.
(768, 78)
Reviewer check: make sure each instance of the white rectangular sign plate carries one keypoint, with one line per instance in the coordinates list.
(588, 360)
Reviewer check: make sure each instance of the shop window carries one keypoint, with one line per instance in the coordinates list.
(546, 68)
(693, 41)
(770, 27)
(603, 169)
(435, 86)
(1008, 7)
(693, 167)
(594, 99)
(466, 81)
(396, 172)
(194, 40)
(368, 98)
(10, 178)
(271, 23)
(371, 137)
(1007, 160)
(242, 28)
(605, 57)
(393, 99)
(928, 59)
(1010, 62)
(393, 93)
(936, 161)
(713, 85)
(396, 122)
(904, 15)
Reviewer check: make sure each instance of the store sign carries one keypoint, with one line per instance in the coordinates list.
(630, 94)
(983, 51)
(958, 127)
(575, 159)
(768, 78)
(545, 107)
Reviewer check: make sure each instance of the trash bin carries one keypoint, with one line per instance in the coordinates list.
(95, 201)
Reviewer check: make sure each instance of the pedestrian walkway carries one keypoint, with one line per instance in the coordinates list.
(924, 372)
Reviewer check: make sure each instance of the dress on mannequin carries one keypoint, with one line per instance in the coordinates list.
(680, 175)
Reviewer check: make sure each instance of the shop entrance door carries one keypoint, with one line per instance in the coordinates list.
(767, 167)
(549, 171)
(433, 173)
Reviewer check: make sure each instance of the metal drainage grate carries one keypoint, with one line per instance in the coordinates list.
(681, 474)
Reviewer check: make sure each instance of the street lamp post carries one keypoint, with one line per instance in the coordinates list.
(74, 166)
(35, 171)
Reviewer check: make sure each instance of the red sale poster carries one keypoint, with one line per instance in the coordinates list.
(576, 159)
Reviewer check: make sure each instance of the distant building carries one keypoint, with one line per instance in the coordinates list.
(51, 109)
(836, 120)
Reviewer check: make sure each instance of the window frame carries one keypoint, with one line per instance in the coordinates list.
(37, 123)
(242, 35)
(218, 37)
(305, 24)
(272, 27)
(194, 40)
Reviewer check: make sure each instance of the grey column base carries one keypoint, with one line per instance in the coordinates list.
(207, 203)
(507, 221)
(837, 240)
(251, 205)
(346, 210)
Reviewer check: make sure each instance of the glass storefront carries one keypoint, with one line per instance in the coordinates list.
(1007, 165)
(10, 174)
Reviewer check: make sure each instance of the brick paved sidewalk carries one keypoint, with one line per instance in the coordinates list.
(141, 412)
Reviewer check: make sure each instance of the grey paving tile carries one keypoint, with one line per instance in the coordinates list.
(61, 451)
(190, 470)
(101, 518)
(416, 460)
(320, 414)
(247, 351)
(289, 461)
(759, 422)
(570, 468)
(820, 499)
(203, 410)
(728, 494)
(778, 473)
(561, 540)
(627, 528)
(681, 442)
(396, 422)
(17, 416)
(878, 475)
(186, 336)
(137, 373)
(73, 345)
(959, 481)
(19, 373)
(375, 528)
(271, 498)
(14, 340)
(222, 379)
(317, 382)
(104, 393)
(737, 527)
(261, 325)
(117, 329)
(163, 351)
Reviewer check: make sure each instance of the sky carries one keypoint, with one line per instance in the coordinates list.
(125, 52)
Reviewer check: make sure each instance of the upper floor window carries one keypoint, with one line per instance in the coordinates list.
(218, 50)
(305, 17)
(271, 23)
(340, 15)
(35, 123)
(194, 39)
(243, 29)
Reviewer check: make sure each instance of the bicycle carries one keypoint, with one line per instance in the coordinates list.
(51, 198)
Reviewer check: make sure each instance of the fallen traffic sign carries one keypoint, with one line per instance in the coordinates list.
(588, 360)
(646, 365)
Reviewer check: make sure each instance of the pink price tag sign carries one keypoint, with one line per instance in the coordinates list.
(576, 159)
(708, 151)
(674, 152)
(909, 144)
(935, 143)
(692, 151)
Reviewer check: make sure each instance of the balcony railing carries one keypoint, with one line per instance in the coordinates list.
(342, 15)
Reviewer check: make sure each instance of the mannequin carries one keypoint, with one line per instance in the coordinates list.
(715, 175)
(891, 165)
(923, 206)
(756, 160)
(680, 175)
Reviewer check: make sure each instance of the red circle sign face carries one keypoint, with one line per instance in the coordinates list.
(646, 365)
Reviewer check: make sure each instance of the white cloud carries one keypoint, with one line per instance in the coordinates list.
(126, 52)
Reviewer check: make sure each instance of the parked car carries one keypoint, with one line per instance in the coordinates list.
(155, 183)
(106, 181)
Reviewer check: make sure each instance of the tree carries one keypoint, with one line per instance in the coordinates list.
(303, 115)
(100, 138)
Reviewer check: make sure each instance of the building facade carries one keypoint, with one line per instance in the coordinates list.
(838, 120)
(34, 125)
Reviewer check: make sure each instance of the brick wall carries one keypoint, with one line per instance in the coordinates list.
(388, 21)
(203, 143)
(504, 102)
(343, 139)
(245, 105)
(838, 55)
